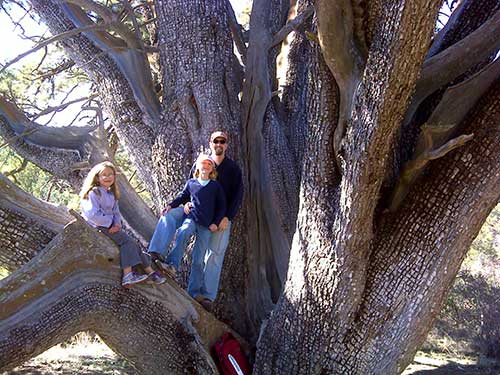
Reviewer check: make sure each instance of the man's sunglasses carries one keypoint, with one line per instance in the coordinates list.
(219, 141)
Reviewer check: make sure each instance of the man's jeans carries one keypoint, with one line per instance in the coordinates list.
(214, 257)
(211, 256)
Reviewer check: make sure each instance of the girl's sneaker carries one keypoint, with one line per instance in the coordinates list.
(156, 278)
(132, 278)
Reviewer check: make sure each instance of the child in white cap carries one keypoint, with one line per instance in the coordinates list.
(207, 209)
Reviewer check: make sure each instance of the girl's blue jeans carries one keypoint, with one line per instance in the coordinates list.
(208, 251)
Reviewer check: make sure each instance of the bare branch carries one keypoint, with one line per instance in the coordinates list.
(62, 106)
(57, 38)
(433, 141)
(292, 25)
(21, 168)
(132, 62)
(457, 59)
(46, 50)
(104, 12)
(56, 70)
(236, 31)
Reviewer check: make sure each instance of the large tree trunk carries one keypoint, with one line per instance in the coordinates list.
(351, 231)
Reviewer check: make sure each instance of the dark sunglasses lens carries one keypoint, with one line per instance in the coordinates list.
(219, 141)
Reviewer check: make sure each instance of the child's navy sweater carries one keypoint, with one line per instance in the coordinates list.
(209, 201)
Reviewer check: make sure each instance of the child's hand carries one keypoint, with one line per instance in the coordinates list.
(213, 228)
(115, 228)
(187, 208)
(165, 210)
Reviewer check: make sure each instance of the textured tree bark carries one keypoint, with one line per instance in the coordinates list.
(73, 285)
(27, 225)
(361, 286)
(327, 269)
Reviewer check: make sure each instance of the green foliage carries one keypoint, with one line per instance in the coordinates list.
(129, 170)
(36, 181)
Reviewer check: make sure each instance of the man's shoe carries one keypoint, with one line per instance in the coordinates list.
(199, 298)
(156, 278)
(132, 278)
(207, 305)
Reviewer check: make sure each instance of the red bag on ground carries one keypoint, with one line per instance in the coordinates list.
(229, 356)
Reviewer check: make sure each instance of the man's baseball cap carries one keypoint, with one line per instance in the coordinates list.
(203, 157)
(218, 134)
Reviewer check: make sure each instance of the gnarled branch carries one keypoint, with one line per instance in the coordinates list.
(56, 38)
(434, 140)
(74, 285)
(343, 54)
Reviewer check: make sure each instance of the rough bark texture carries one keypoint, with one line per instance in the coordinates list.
(26, 225)
(360, 287)
(73, 285)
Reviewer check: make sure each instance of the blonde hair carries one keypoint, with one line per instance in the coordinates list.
(212, 175)
(92, 180)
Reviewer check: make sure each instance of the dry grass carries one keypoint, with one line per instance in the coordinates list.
(84, 354)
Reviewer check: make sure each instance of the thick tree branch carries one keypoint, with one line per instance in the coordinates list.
(15, 199)
(291, 26)
(73, 138)
(82, 265)
(27, 224)
(236, 31)
(455, 60)
(442, 125)
(343, 54)
(440, 37)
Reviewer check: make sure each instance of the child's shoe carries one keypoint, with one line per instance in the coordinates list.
(156, 278)
(132, 278)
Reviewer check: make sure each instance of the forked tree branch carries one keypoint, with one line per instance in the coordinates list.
(433, 141)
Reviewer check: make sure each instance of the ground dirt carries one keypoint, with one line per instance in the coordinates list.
(95, 358)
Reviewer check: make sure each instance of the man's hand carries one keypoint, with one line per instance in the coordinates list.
(223, 224)
(165, 210)
(187, 208)
(213, 228)
(115, 228)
